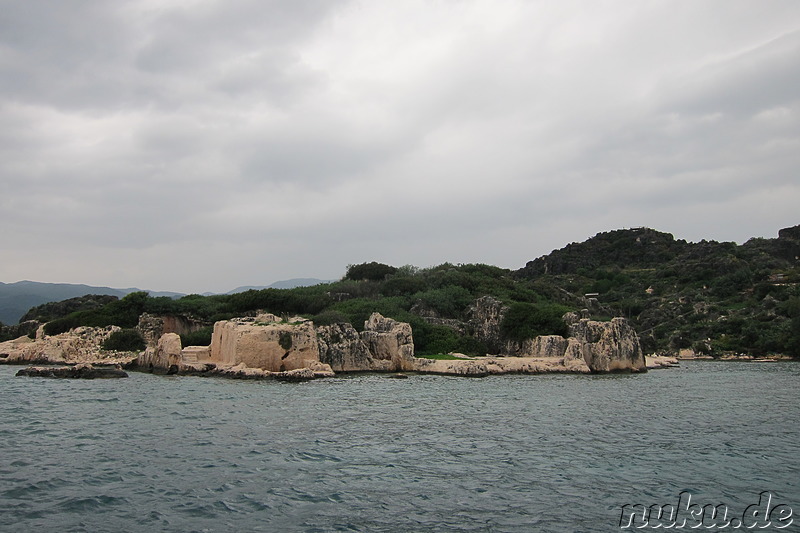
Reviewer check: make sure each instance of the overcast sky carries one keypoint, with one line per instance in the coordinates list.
(199, 145)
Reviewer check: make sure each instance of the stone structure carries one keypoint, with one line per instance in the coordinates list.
(293, 348)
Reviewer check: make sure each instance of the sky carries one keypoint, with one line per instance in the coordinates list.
(200, 145)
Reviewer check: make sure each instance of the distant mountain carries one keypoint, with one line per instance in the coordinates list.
(285, 284)
(17, 298)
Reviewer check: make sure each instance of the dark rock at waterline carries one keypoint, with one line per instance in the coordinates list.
(72, 372)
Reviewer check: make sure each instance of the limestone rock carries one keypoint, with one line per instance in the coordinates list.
(79, 345)
(485, 366)
(390, 343)
(341, 347)
(485, 317)
(164, 357)
(273, 346)
(196, 354)
(79, 371)
(541, 346)
(609, 346)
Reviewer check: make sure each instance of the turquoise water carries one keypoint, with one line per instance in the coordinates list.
(370, 453)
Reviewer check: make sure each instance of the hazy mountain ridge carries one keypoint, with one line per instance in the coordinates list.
(17, 299)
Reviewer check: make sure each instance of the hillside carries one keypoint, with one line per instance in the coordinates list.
(710, 296)
(17, 298)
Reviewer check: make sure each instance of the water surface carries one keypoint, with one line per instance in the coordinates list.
(368, 453)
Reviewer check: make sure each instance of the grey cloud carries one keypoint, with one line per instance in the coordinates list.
(274, 132)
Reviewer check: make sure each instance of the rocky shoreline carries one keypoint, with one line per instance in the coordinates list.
(79, 371)
(294, 349)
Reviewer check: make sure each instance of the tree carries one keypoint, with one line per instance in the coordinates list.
(372, 271)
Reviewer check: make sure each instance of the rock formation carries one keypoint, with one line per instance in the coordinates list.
(265, 342)
(79, 371)
(609, 346)
(389, 342)
(341, 347)
(164, 357)
(485, 317)
(294, 349)
(79, 345)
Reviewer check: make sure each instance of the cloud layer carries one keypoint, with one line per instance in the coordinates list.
(197, 145)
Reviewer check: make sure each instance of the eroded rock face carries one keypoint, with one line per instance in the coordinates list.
(341, 347)
(542, 346)
(389, 342)
(271, 346)
(609, 346)
(164, 357)
(485, 317)
(79, 345)
(152, 327)
(79, 371)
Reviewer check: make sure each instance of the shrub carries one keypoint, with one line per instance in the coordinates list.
(201, 337)
(526, 321)
(285, 340)
(371, 271)
(326, 318)
(124, 340)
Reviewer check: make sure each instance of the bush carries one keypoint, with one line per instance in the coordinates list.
(124, 340)
(526, 321)
(201, 337)
(326, 318)
(371, 271)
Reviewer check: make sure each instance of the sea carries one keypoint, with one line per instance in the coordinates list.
(368, 452)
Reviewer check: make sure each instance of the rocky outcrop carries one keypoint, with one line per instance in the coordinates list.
(486, 366)
(655, 362)
(484, 319)
(341, 347)
(389, 342)
(164, 357)
(265, 342)
(79, 345)
(385, 345)
(609, 346)
(79, 371)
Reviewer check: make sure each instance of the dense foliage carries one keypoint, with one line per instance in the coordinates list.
(409, 294)
(124, 340)
(713, 297)
(52, 310)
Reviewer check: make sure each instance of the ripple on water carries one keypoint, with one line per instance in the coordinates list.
(364, 453)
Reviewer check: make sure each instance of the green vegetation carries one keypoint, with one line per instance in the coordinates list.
(124, 340)
(525, 321)
(713, 297)
(442, 357)
(285, 340)
(709, 296)
(422, 297)
(201, 337)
